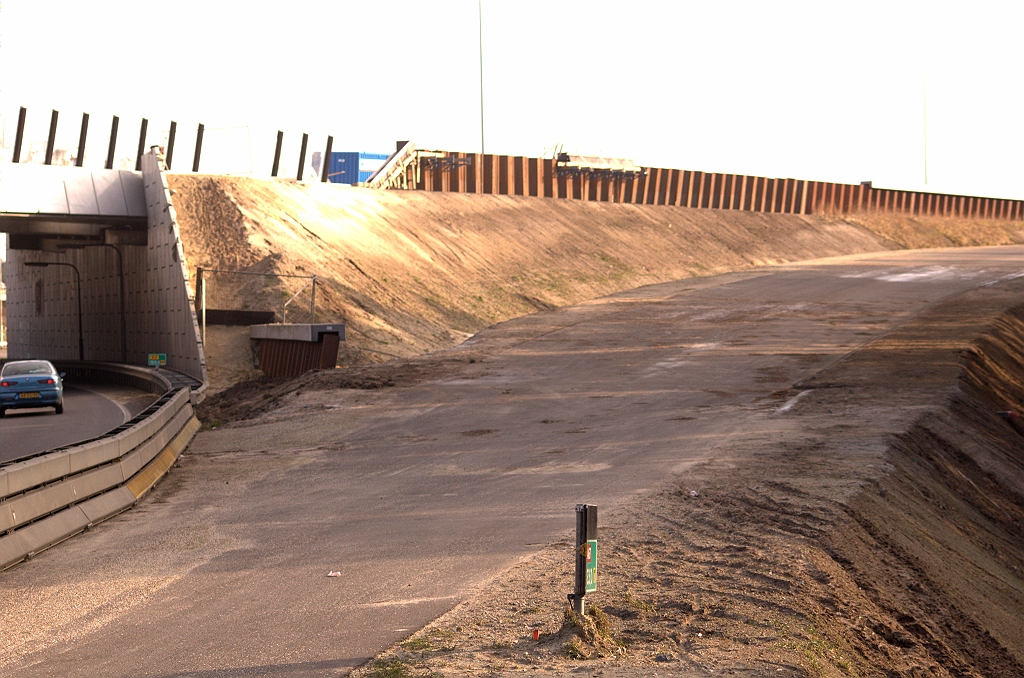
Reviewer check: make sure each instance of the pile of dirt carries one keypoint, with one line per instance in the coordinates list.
(839, 548)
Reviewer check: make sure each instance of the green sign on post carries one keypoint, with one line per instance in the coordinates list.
(157, 359)
(591, 566)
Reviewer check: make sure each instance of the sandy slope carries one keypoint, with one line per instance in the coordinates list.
(412, 272)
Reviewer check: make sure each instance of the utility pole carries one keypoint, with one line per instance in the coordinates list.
(480, 19)
(924, 100)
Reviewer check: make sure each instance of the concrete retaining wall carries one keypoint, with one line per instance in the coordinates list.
(168, 322)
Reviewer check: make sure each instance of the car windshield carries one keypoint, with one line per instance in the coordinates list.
(27, 367)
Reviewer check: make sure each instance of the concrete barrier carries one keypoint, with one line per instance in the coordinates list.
(49, 498)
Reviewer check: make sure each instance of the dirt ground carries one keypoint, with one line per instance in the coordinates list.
(906, 559)
(903, 561)
(839, 548)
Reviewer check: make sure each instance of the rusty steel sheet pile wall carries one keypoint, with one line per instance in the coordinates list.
(542, 177)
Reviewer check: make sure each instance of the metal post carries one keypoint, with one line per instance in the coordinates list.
(201, 291)
(277, 153)
(80, 158)
(480, 18)
(204, 312)
(586, 556)
(142, 145)
(312, 302)
(170, 143)
(302, 156)
(48, 160)
(19, 135)
(81, 335)
(124, 323)
(199, 148)
(327, 160)
(113, 142)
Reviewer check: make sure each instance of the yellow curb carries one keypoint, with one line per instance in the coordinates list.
(146, 478)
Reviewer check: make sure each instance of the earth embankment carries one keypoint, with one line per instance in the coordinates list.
(413, 271)
(410, 272)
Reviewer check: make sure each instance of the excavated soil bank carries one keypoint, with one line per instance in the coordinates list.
(861, 540)
(411, 272)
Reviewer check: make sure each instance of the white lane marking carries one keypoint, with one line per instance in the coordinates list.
(792, 401)
(410, 601)
(1012, 276)
(918, 274)
(929, 273)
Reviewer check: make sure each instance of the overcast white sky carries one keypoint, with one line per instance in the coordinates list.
(814, 90)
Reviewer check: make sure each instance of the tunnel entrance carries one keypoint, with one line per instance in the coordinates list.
(95, 268)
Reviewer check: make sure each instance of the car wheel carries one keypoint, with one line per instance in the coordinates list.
(59, 407)
(2, 411)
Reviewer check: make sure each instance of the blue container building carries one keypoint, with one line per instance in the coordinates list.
(352, 168)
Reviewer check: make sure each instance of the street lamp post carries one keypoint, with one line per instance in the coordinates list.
(78, 280)
(120, 278)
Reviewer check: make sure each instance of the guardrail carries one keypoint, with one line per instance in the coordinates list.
(54, 495)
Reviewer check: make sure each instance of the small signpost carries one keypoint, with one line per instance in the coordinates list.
(586, 555)
(158, 360)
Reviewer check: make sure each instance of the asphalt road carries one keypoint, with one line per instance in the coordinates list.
(87, 414)
(419, 495)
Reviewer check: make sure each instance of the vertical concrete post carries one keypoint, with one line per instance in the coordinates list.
(109, 164)
(199, 148)
(19, 135)
(142, 145)
(326, 162)
(170, 144)
(277, 154)
(302, 157)
(82, 134)
(48, 159)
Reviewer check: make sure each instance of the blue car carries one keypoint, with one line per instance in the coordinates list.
(31, 383)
